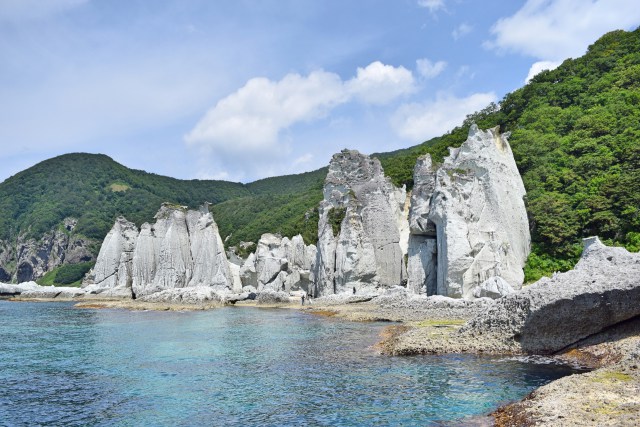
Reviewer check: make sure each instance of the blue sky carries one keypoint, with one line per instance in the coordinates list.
(241, 90)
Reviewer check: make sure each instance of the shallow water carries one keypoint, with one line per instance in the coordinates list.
(234, 366)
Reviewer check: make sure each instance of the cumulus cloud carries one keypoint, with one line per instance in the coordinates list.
(26, 10)
(379, 83)
(252, 119)
(429, 69)
(421, 121)
(461, 31)
(432, 5)
(553, 30)
(540, 66)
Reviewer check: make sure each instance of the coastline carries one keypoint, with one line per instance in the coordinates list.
(608, 394)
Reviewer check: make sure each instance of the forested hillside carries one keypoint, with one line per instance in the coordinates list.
(576, 140)
(95, 189)
(575, 133)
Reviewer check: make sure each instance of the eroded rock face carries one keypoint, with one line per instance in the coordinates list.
(422, 252)
(601, 291)
(362, 230)
(182, 249)
(25, 259)
(474, 207)
(279, 264)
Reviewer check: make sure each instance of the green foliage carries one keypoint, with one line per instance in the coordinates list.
(576, 141)
(541, 264)
(81, 186)
(66, 275)
(335, 217)
(247, 218)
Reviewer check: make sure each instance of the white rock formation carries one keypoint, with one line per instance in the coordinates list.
(113, 269)
(279, 264)
(422, 251)
(477, 208)
(362, 229)
(182, 249)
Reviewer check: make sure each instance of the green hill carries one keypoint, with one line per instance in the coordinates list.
(575, 135)
(95, 189)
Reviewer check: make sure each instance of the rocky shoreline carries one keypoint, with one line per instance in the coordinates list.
(588, 316)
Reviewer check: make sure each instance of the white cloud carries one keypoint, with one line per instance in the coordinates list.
(432, 5)
(540, 66)
(252, 118)
(553, 30)
(429, 69)
(461, 31)
(422, 121)
(251, 121)
(305, 158)
(25, 10)
(379, 83)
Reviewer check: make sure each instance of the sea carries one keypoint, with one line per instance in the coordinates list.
(236, 366)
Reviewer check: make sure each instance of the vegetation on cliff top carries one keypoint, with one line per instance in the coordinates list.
(574, 134)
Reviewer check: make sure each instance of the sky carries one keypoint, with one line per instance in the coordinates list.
(245, 89)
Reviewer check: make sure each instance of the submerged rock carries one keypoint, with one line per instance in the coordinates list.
(601, 291)
(362, 230)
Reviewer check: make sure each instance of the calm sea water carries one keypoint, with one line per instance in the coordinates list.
(233, 366)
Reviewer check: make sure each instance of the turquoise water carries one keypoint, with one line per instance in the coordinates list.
(233, 366)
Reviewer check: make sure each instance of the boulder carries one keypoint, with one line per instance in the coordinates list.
(188, 295)
(553, 313)
(51, 292)
(362, 230)
(279, 264)
(269, 296)
(17, 289)
(494, 287)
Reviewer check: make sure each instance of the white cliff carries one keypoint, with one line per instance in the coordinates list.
(474, 205)
(362, 229)
(278, 264)
(182, 249)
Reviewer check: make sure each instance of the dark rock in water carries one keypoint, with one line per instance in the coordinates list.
(602, 290)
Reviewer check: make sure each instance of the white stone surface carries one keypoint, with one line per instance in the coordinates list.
(475, 203)
(368, 251)
(182, 249)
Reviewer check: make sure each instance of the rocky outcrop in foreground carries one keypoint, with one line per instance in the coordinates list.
(468, 221)
(362, 230)
(600, 293)
(182, 249)
(278, 264)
